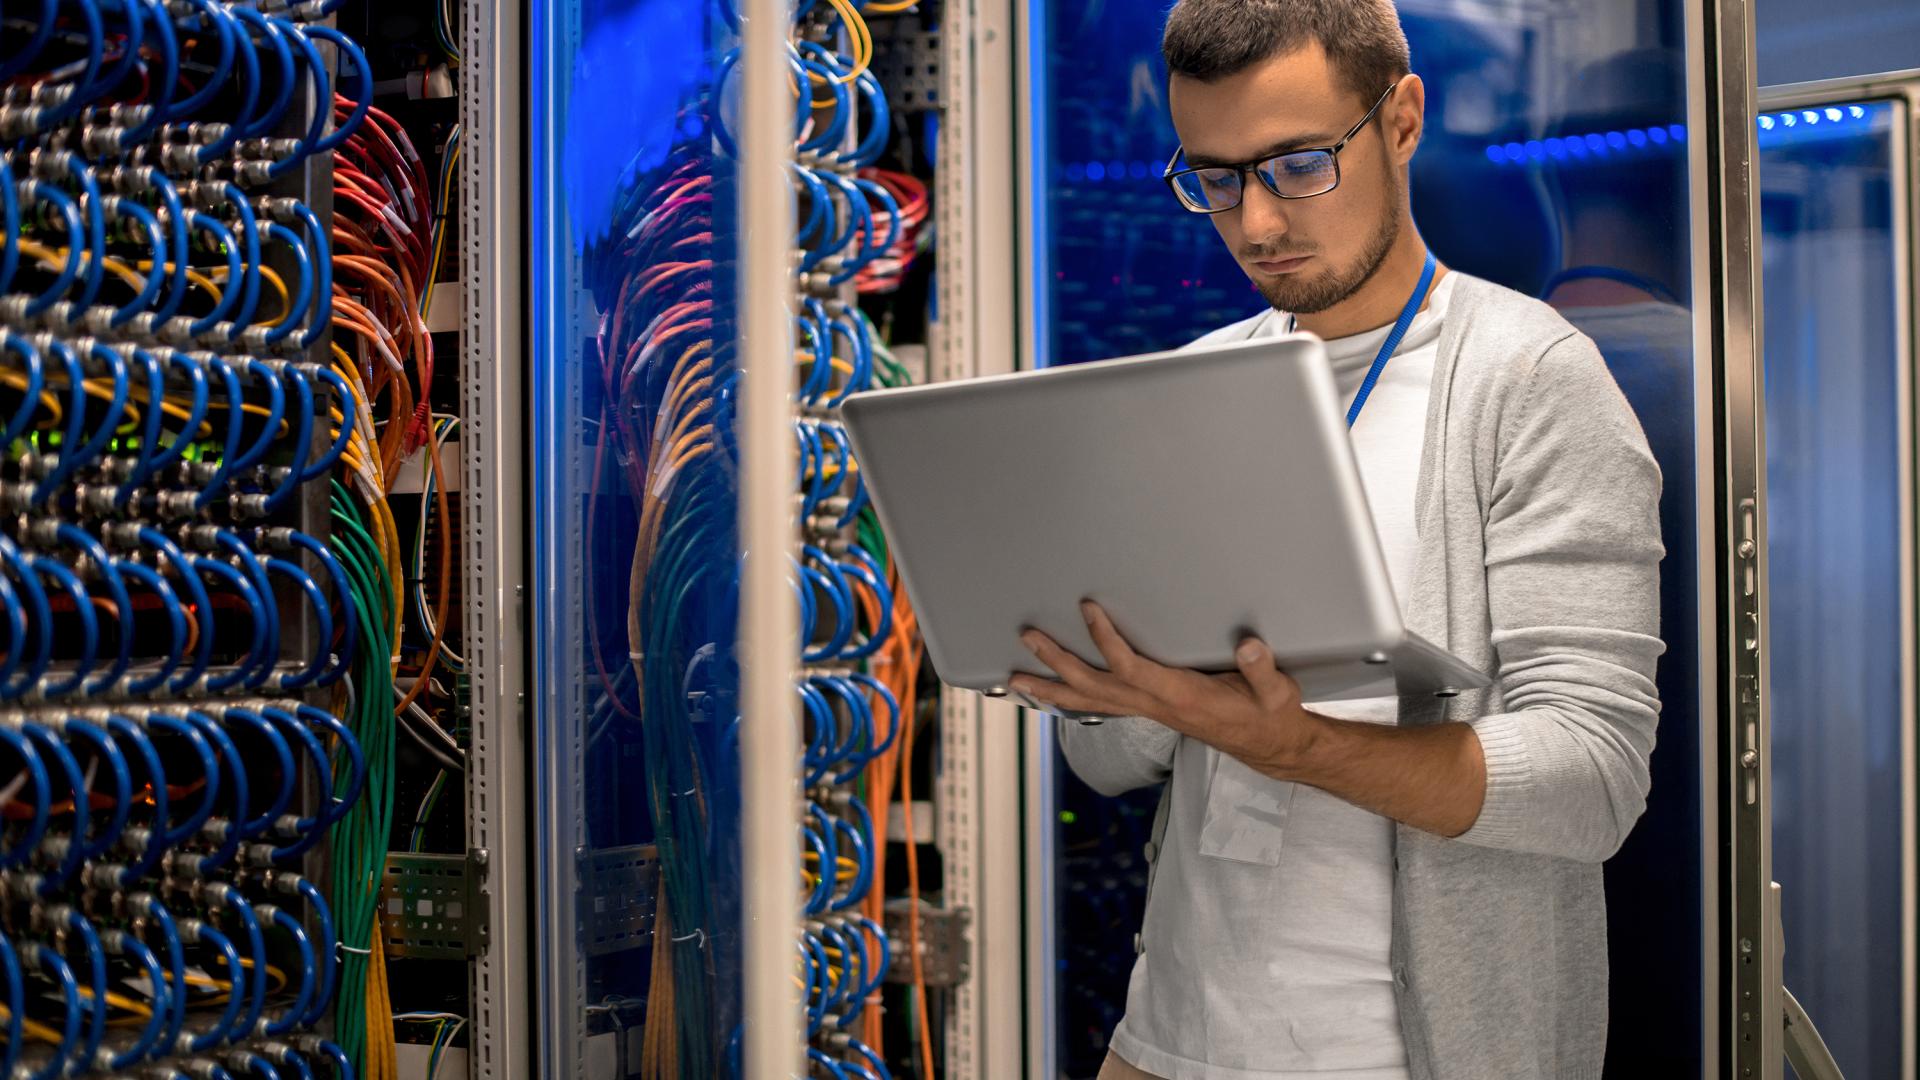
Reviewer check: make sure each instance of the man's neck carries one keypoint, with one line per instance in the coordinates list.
(1379, 302)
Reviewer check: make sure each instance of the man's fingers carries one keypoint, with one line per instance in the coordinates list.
(1063, 696)
(1158, 680)
(1079, 674)
(1273, 688)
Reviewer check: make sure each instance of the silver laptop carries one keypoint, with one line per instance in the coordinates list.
(1199, 496)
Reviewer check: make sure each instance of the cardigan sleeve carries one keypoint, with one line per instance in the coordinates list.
(1573, 581)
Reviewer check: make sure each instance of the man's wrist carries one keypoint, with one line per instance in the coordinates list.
(1316, 741)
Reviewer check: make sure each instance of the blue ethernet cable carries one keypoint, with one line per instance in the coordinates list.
(163, 456)
(256, 976)
(10, 214)
(127, 731)
(175, 835)
(302, 434)
(41, 798)
(183, 568)
(11, 342)
(879, 1066)
(40, 191)
(237, 549)
(94, 90)
(72, 458)
(228, 832)
(193, 931)
(106, 752)
(162, 88)
(348, 414)
(15, 614)
(290, 1019)
(322, 614)
(121, 943)
(829, 575)
(157, 255)
(296, 313)
(176, 999)
(230, 451)
(863, 877)
(283, 753)
(177, 240)
(249, 281)
(213, 16)
(346, 617)
(357, 772)
(151, 426)
(260, 1067)
(867, 570)
(224, 243)
(77, 784)
(176, 625)
(67, 163)
(107, 567)
(879, 972)
(342, 1068)
(96, 36)
(276, 412)
(270, 115)
(363, 84)
(316, 235)
(823, 888)
(257, 655)
(13, 65)
(309, 828)
(61, 973)
(41, 622)
(97, 983)
(89, 626)
(249, 84)
(322, 914)
(827, 1063)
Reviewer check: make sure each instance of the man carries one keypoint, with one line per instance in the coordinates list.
(1394, 889)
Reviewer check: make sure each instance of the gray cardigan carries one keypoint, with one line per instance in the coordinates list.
(1537, 508)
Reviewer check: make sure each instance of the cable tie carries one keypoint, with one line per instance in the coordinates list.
(341, 946)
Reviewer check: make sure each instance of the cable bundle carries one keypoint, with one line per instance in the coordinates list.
(858, 229)
(173, 607)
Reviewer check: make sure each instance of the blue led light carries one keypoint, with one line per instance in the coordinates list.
(1557, 149)
(1810, 116)
(1616, 140)
(1515, 151)
(1789, 119)
(1637, 137)
(1497, 154)
(1533, 149)
(1597, 144)
(1096, 171)
(1076, 172)
(1116, 170)
(1658, 135)
(1678, 131)
(1137, 170)
(1766, 122)
(1583, 147)
(1833, 114)
(1858, 112)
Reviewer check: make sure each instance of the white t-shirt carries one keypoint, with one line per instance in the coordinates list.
(1304, 991)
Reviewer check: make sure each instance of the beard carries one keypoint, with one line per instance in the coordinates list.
(1298, 295)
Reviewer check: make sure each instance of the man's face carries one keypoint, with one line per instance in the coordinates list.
(1304, 255)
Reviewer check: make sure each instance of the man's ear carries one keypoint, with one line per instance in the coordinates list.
(1406, 118)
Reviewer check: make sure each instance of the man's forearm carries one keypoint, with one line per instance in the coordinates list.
(1432, 778)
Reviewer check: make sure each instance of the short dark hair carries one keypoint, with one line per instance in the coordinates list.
(1212, 39)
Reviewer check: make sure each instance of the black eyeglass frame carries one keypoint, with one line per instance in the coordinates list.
(1171, 175)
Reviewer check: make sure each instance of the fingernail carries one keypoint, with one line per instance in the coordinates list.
(1249, 651)
(1030, 639)
(1087, 609)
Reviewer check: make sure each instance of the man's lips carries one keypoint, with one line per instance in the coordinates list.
(1280, 265)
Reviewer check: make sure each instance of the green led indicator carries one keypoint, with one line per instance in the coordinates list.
(1068, 817)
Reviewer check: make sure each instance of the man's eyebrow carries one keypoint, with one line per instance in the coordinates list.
(1298, 142)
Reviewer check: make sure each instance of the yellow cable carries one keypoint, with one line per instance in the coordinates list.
(48, 399)
(34, 1029)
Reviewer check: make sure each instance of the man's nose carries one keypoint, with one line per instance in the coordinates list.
(1263, 215)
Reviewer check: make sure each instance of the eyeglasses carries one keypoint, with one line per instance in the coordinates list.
(1296, 174)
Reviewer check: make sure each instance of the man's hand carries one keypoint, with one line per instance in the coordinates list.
(1432, 778)
(1255, 715)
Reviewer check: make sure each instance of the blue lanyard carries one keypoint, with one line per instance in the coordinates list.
(1393, 340)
